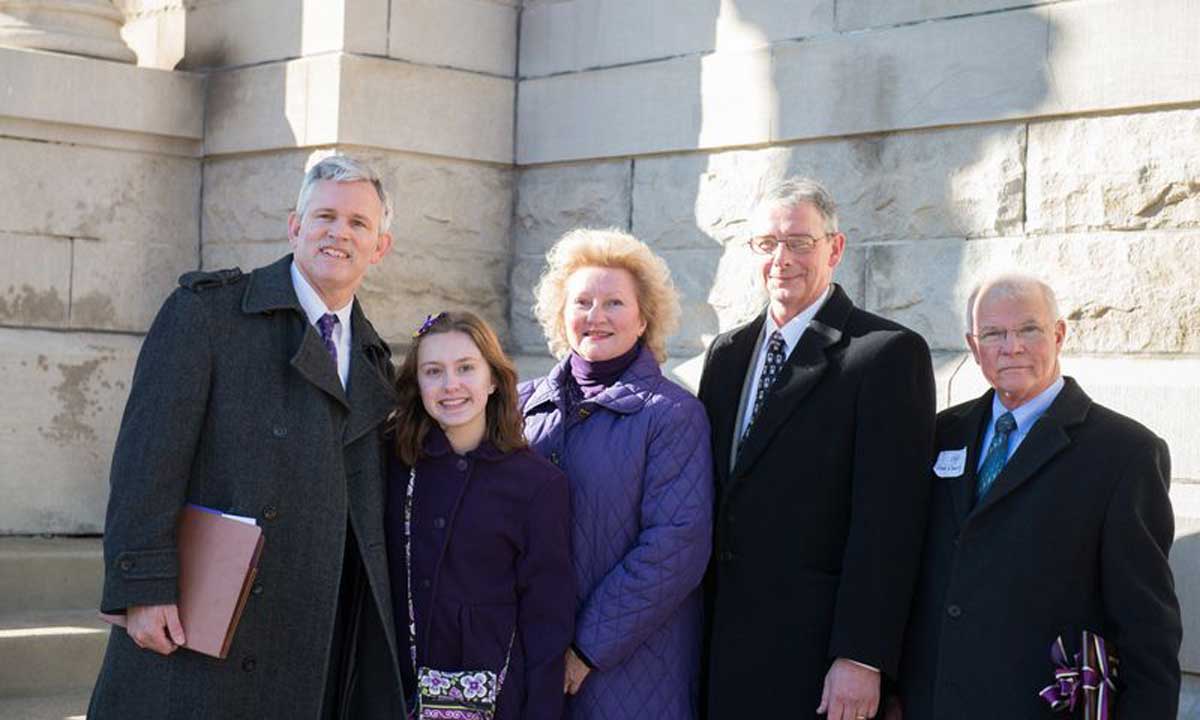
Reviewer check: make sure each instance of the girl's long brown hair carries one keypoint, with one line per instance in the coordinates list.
(504, 423)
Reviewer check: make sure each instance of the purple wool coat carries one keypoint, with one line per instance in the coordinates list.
(639, 466)
(490, 554)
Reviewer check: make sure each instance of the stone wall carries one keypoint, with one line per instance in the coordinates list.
(960, 138)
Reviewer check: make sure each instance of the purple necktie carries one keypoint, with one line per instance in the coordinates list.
(325, 324)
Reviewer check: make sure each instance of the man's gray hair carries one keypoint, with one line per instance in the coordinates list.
(345, 169)
(1013, 285)
(793, 191)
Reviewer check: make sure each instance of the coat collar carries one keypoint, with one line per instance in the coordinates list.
(371, 396)
(436, 444)
(626, 396)
(798, 376)
(1048, 437)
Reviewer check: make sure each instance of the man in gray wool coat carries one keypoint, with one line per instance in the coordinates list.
(263, 395)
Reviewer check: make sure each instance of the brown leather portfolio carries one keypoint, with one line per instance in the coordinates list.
(218, 560)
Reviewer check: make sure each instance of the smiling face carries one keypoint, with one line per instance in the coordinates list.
(1016, 342)
(795, 280)
(338, 238)
(601, 314)
(455, 382)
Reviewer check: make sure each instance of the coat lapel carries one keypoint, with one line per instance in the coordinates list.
(270, 290)
(799, 375)
(372, 397)
(1046, 439)
(966, 434)
(730, 363)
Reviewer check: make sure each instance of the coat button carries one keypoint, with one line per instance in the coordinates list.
(584, 412)
(248, 664)
(461, 464)
(726, 556)
(279, 431)
(270, 512)
(126, 565)
(554, 458)
(439, 523)
(257, 589)
(425, 584)
(954, 611)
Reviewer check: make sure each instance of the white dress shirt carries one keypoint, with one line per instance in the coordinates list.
(791, 331)
(314, 308)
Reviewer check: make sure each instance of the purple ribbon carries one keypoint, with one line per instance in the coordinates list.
(430, 321)
(1089, 678)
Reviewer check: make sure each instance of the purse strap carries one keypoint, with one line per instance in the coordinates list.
(412, 615)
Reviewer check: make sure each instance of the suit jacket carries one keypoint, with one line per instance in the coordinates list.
(1072, 536)
(235, 404)
(819, 521)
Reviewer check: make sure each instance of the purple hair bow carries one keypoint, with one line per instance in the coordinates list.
(430, 321)
(1088, 679)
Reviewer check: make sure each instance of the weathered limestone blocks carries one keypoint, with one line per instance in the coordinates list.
(127, 220)
(1058, 59)
(558, 37)
(35, 281)
(62, 397)
(451, 230)
(554, 199)
(1123, 172)
(76, 27)
(1120, 292)
(863, 14)
(357, 100)
(431, 32)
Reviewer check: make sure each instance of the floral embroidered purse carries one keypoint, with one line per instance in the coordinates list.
(447, 694)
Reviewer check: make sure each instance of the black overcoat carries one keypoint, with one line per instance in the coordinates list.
(1073, 536)
(236, 405)
(820, 520)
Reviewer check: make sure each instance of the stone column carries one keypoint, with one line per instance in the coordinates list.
(76, 27)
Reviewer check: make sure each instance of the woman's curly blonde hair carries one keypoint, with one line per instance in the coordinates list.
(658, 300)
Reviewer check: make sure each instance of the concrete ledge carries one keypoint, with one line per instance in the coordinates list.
(60, 706)
(63, 397)
(89, 93)
(373, 102)
(50, 651)
(864, 14)
(40, 573)
(478, 35)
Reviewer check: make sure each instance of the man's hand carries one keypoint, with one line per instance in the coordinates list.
(851, 691)
(577, 671)
(155, 627)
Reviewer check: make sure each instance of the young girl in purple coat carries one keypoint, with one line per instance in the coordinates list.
(482, 576)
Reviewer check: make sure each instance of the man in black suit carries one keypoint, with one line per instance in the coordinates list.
(1049, 515)
(822, 418)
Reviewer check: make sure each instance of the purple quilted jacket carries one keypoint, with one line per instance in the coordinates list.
(639, 465)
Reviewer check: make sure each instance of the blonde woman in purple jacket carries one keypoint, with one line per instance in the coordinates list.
(635, 448)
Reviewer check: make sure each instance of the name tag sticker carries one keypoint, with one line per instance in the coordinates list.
(950, 463)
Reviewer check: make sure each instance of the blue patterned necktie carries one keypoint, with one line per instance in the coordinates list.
(776, 354)
(997, 455)
(325, 324)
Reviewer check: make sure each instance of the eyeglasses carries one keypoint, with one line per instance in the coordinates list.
(798, 244)
(995, 337)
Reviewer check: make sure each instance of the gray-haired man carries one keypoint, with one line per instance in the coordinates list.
(263, 395)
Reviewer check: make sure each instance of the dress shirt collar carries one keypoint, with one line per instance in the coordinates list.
(794, 328)
(1028, 412)
(314, 306)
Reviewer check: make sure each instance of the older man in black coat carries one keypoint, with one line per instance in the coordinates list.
(822, 421)
(263, 395)
(1049, 516)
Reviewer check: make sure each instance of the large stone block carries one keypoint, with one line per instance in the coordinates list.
(555, 199)
(63, 396)
(120, 285)
(108, 96)
(863, 14)
(1146, 176)
(431, 31)
(35, 282)
(960, 182)
(1120, 292)
(558, 37)
(357, 100)
(526, 334)
(246, 203)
